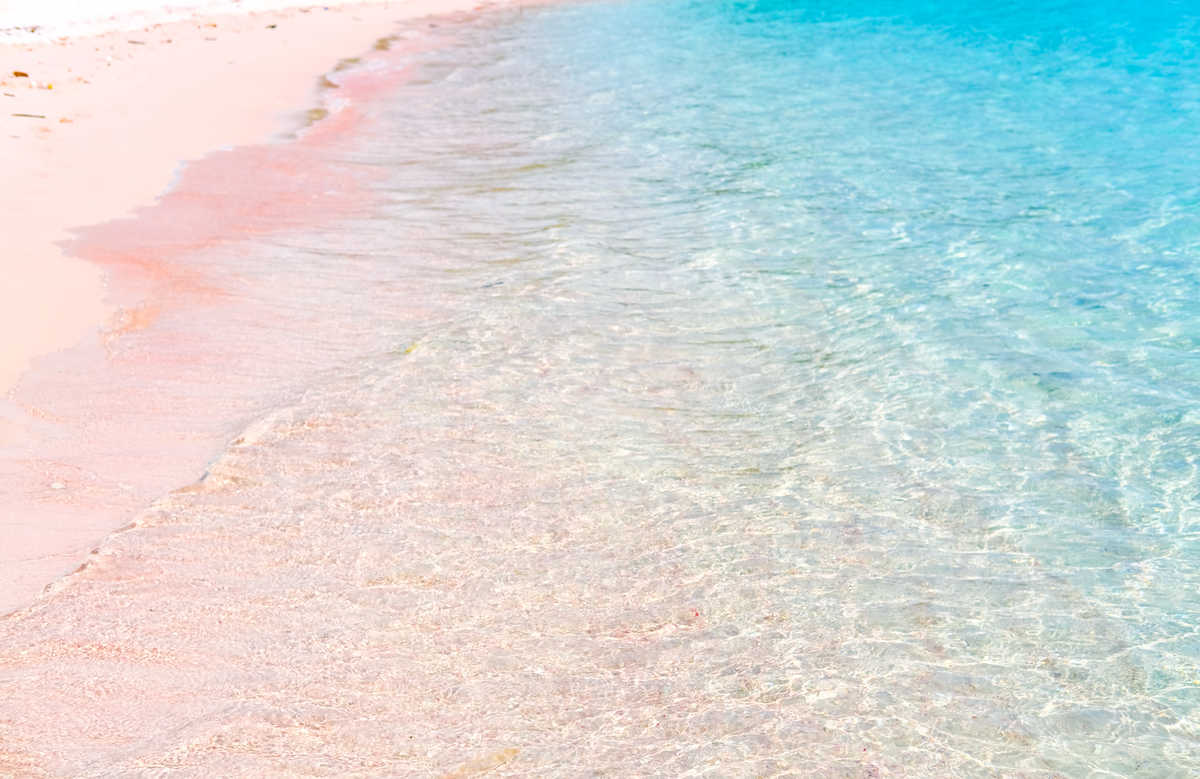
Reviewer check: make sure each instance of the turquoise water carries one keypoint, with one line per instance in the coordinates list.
(723, 389)
(920, 283)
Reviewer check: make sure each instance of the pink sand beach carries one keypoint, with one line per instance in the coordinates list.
(135, 142)
(134, 139)
(100, 115)
(453, 388)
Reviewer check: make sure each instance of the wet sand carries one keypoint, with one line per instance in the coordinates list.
(120, 381)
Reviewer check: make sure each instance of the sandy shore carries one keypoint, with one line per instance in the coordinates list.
(99, 125)
(94, 130)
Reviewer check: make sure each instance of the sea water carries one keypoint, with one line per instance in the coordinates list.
(776, 388)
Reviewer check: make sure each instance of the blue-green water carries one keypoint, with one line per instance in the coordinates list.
(912, 291)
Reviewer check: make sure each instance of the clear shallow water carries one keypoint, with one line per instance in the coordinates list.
(769, 388)
(927, 277)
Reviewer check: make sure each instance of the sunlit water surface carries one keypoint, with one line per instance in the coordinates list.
(805, 387)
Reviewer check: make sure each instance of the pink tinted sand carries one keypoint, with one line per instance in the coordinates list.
(121, 111)
(128, 382)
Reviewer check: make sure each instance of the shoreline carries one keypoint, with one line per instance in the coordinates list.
(174, 158)
(100, 125)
